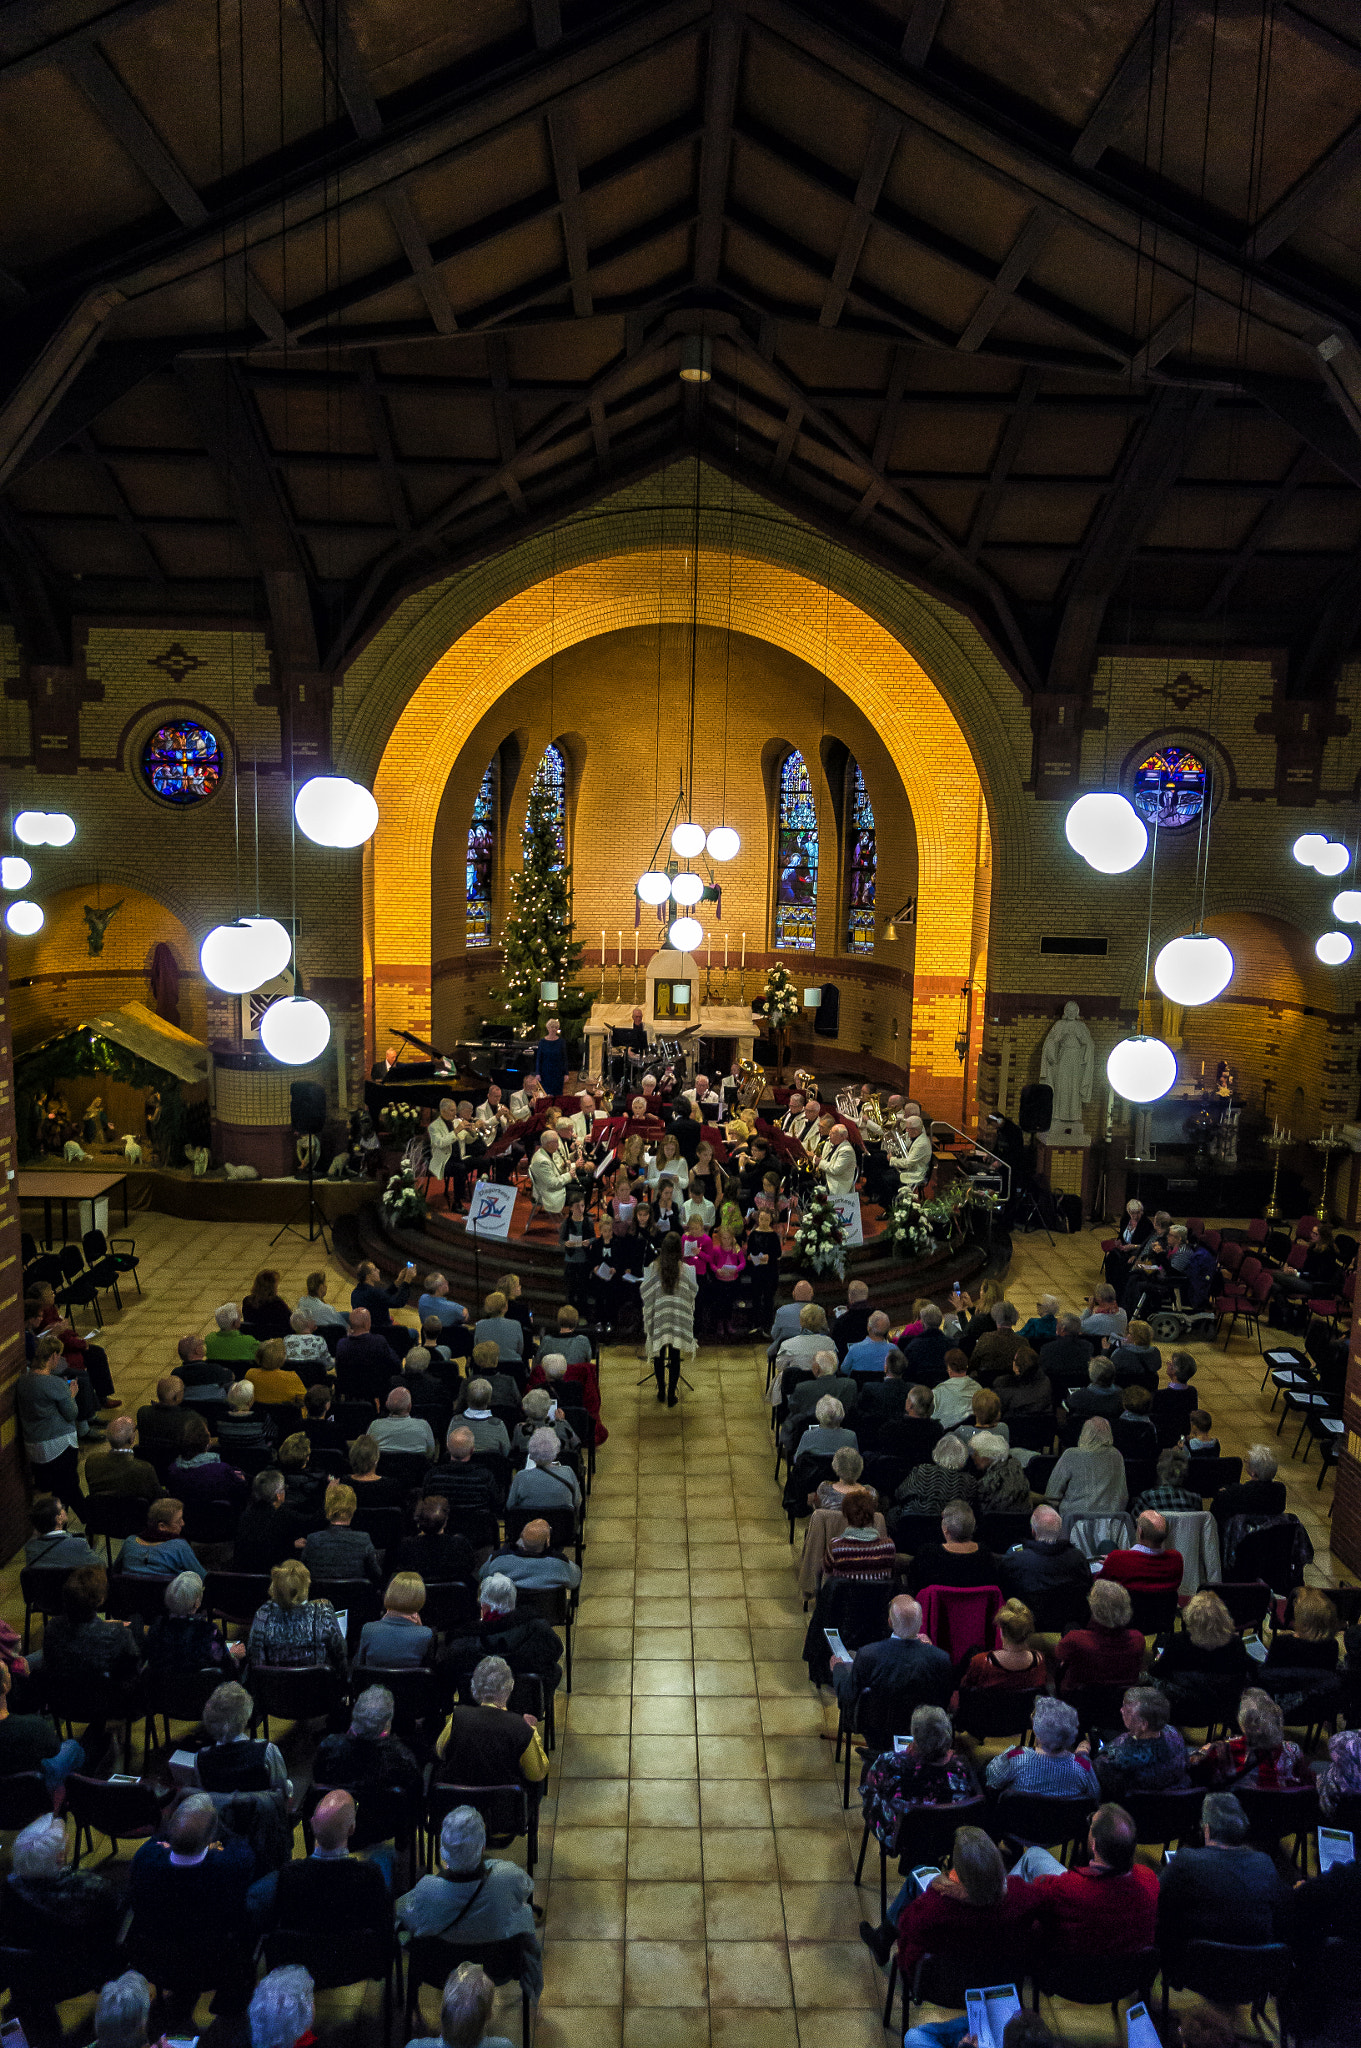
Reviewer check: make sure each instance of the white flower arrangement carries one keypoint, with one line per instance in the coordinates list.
(781, 997)
(403, 1203)
(820, 1240)
(908, 1227)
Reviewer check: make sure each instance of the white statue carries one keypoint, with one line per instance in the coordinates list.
(1068, 1063)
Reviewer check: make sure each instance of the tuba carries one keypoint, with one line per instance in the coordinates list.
(847, 1104)
(751, 1084)
(805, 1080)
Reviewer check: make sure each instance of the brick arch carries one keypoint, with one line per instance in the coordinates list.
(770, 601)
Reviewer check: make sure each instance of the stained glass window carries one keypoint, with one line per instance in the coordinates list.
(796, 888)
(552, 774)
(481, 843)
(182, 762)
(862, 865)
(1169, 788)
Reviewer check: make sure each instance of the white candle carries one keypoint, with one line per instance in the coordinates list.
(635, 949)
(620, 938)
(744, 949)
(725, 952)
(602, 945)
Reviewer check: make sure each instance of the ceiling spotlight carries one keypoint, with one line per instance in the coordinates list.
(1141, 1069)
(1333, 949)
(1107, 831)
(687, 840)
(1335, 858)
(44, 828)
(685, 934)
(1194, 969)
(294, 1030)
(723, 843)
(333, 811)
(696, 364)
(1347, 906)
(654, 887)
(1308, 847)
(687, 888)
(24, 918)
(15, 872)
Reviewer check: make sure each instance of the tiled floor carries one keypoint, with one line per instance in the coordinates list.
(696, 1864)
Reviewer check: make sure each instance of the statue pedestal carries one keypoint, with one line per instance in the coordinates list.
(1065, 1166)
(1060, 1135)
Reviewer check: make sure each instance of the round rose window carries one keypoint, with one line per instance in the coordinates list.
(182, 763)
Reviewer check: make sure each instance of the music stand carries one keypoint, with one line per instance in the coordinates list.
(651, 1375)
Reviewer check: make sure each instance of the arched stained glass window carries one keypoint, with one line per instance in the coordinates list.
(551, 774)
(481, 851)
(1169, 788)
(862, 865)
(796, 887)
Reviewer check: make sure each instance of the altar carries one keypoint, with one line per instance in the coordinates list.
(672, 1011)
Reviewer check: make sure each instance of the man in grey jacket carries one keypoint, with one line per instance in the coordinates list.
(475, 1897)
(530, 1562)
(50, 1425)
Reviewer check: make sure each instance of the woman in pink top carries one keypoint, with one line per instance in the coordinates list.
(725, 1263)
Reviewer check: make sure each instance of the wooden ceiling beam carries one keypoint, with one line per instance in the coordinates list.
(1260, 532)
(380, 433)
(95, 461)
(1297, 206)
(920, 31)
(720, 102)
(562, 147)
(883, 142)
(1015, 264)
(1008, 449)
(1132, 80)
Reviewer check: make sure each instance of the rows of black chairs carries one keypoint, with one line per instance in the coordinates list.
(79, 1274)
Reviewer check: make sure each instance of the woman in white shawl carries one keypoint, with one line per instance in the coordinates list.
(668, 1301)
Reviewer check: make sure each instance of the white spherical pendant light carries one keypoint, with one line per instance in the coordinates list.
(1308, 847)
(723, 843)
(1347, 906)
(295, 1030)
(687, 840)
(44, 828)
(1194, 969)
(1333, 949)
(333, 811)
(15, 872)
(1107, 831)
(1335, 859)
(687, 889)
(24, 918)
(1141, 1069)
(654, 887)
(685, 934)
(239, 957)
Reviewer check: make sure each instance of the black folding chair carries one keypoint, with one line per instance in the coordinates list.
(235, 1596)
(508, 1811)
(131, 1813)
(1229, 1974)
(99, 1248)
(113, 1514)
(1096, 1979)
(925, 1834)
(557, 1605)
(350, 1955)
(1043, 1823)
(309, 1692)
(430, 1959)
(41, 1586)
(412, 1687)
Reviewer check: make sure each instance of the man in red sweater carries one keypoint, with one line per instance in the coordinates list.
(1107, 1907)
(1150, 1567)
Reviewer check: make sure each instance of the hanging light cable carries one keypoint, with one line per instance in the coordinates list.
(1142, 1068)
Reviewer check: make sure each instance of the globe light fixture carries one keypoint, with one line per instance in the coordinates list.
(687, 840)
(44, 828)
(1308, 847)
(333, 811)
(15, 872)
(1334, 949)
(24, 918)
(685, 934)
(723, 843)
(687, 888)
(295, 1030)
(1107, 831)
(240, 957)
(1335, 858)
(1141, 1069)
(1194, 969)
(654, 887)
(1347, 906)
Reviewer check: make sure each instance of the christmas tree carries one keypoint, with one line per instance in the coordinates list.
(537, 941)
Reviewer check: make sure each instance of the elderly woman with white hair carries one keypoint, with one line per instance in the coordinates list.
(929, 1489)
(45, 1905)
(1002, 1485)
(474, 1897)
(1051, 1768)
(185, 1640)
(123, 2012)
(1089, 1478)
(465, 2012)
(828, 1433)
(545, 1481)
(536, 1407)
(282, 2008)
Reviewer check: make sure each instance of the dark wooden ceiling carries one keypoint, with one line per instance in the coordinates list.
(1053, 307)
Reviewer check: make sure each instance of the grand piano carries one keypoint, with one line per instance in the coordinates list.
(465, 1071)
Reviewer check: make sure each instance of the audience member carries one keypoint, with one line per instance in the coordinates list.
(1151, 1566)
(926, 1353)
(118, 1470)
(996, 1348)
(233, 1760)
(282, 2009)
(1309, 1642)
(1150, 1756)
(242, 1432)
(1223, 1890)
(861, 1553)
(929, 1488)
(275, 1384)
(828, 1433)
(268, 1531)
(465, 2012)
(527, 1644)
(203, 1379)
(1045, 1568)
(958, 1559)
(496, 1326)
(904, 1662)
(368, 1753)
(47, 1907)
(1027, 1391)
(1003, 1488)
(363, 1360)
(29, 1742)
(475, 1897)
(1064, 1359)
(399, 1640)
(1172, 1493)
(369, 1293)
(161, 1550)
(1108, 1651)
(1107, 1906)
(545, 1481)
(1207, 1645)
(951, 1401)
(331, 1893)
(484, 1743)
(1105, 1318)
(530, 1561)
(464, 1486)
(1131, 1432)
(1138, 1361)
(50, 1545)
(1261, 1493)
(973, 1910)
(1044, 1324)
(399, 1430)
(866, 1357)
(488, 1432)
(228, 1343)
(1172, 1406)
(913, 1433)
(439, 1557)
(199, 1474)
(1013, 1666)
(338, 1551)
(289, 1629)
(306, 1351)
(315, 1304)
(183, 1639)
(264, 1313)
(1259, 1756)
(1089, 1478)
(1052, 1769)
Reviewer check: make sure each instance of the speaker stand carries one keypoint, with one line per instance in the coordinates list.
(316, 1223)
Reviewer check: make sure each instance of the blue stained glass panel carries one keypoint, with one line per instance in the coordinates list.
(182, 762)
(796, 888)
(1169, 788)
(862, 866)
(481, 846)
(551, 773)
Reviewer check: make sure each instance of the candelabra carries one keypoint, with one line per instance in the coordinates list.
(1326, 1144)
(1276, 1144)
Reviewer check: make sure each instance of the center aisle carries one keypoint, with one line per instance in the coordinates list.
(696, 1863)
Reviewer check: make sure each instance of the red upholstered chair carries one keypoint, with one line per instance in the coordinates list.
(960, 1619)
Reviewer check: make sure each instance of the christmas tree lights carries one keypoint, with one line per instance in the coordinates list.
(537, 940)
